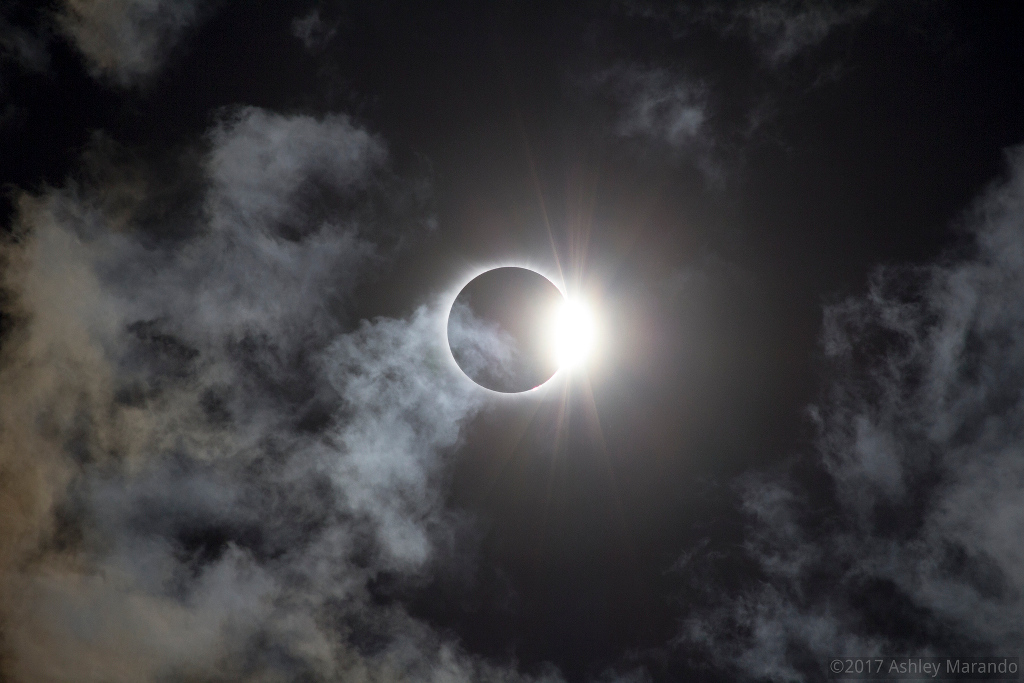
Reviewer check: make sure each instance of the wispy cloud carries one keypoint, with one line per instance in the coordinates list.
(25, 48)
(782, 30)
(484, 351)
(204, 463)
(913, 546)
(662, 107)
(779, 30)
(313, 31)
(126, 41)
(672, 107)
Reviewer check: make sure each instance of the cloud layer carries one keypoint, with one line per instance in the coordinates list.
(204, 463)
(911, 544)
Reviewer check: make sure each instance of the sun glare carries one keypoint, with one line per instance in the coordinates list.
(572, 333)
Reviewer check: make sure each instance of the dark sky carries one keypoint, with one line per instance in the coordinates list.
(234, 445)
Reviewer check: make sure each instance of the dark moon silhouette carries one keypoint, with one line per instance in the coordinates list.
(499, 329)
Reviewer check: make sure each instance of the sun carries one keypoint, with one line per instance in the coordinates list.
(572, 333)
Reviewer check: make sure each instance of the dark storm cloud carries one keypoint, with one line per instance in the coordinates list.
(203, 465)
(126, 41)
(913, 547)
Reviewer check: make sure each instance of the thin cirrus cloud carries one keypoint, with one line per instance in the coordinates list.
(920, 440)
(204, 463)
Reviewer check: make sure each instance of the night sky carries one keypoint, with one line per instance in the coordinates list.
(235, 444)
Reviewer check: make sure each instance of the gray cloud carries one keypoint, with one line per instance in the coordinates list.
(782, 30)
(660, 106)
(689, 116)
(126, 41)
(779, 30)
(913, 548)
(485, 352)
(313, 31)
(23, 47)
(203, 463)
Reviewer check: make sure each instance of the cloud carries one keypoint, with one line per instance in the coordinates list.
(485, 351)
(912, 546)
(126, 41)
(684, 113)
(313, 31)
(23, 47)
(782, 30)
(778, 30)
(659, 106)
(204, 463)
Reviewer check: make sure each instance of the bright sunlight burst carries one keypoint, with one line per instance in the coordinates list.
(572, 333)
